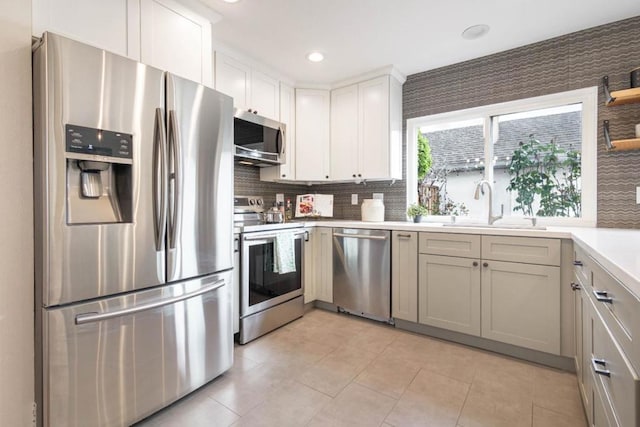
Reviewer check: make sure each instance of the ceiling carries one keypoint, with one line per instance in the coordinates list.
(357, 36)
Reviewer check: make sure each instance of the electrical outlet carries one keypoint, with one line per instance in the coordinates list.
(638, 194)
(280, 198)
(378, 196)
(354, 199)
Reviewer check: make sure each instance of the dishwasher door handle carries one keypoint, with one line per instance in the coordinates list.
(360, 236)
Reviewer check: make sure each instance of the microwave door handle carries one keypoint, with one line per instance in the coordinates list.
(159, 179)
(281, 140)
(174, 176)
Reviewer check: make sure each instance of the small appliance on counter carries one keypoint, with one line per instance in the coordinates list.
(314, 205)
(372, 210)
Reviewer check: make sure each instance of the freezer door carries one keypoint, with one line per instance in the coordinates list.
(76, 84)
(115, 361)
(199, 143)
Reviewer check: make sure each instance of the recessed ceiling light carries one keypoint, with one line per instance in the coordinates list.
(315, 57)
(231, 1)
(475, 32)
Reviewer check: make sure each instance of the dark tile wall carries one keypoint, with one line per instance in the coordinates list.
(569, 62)
(564, 63)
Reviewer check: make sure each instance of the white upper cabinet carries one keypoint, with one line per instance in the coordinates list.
(312, 134)
(250, 89)
(161, 33)
(112, 25)
(175, 39)
(366, 130)
(265, 95)
(344, 133)
(286, 171)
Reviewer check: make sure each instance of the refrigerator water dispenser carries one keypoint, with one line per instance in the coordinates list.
(99, 177)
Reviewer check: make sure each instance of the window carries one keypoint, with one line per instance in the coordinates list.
(538, 153)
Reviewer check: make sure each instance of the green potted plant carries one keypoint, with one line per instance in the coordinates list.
(417, 211)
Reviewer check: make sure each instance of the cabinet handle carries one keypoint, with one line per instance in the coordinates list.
(603, 296)
(575, 286)
(284, 175)
(475, 263)
(354, 175)
(485, 264)
(595, 362)
(578, 263)
(404, 236)
(327, 176)
(359, 175)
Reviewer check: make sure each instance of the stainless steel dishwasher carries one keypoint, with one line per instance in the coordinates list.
(362, 272)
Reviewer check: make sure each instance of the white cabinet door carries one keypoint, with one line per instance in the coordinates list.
(286, 171)
(233, 78)
(404, 275)
(374, 128)
(175, 39)
(312, 134)
(324, 264)
(449, 293)
(111, 25)
(521, 305)
(344, 134)
(265, 95)
(309, 267)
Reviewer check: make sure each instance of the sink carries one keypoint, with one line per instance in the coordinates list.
(499, 226)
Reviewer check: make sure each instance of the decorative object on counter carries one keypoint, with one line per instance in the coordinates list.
(635, 77)
(372, 210)
(314, 205)
(288, 213)
(417, 211)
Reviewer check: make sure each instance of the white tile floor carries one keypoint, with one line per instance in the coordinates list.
(330, 369)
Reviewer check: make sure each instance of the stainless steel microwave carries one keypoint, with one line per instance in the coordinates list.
(259, 141)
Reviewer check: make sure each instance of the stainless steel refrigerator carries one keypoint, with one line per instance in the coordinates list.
(133, 193)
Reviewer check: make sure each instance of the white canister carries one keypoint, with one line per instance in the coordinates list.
(372, 210)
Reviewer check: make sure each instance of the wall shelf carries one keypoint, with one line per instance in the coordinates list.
(619, 144)
(620, 97)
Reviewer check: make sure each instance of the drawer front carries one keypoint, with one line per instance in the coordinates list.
(617, 306)
(581, 265)
(601, 412)
(462, 245)
(614, 373)
(530, 250)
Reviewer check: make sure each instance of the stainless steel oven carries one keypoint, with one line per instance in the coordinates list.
(269, 299)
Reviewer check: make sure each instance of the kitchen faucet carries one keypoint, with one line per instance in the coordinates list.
(480, 189)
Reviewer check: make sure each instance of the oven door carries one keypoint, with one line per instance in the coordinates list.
(261, 287)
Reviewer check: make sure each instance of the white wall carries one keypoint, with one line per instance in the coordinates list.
(16, 215)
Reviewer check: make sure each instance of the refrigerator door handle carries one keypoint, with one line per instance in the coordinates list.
(174, 174)
(85, 318)
(159, 179)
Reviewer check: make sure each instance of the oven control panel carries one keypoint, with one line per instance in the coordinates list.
(248, 204)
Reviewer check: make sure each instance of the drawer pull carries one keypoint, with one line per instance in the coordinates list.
(577, 263)
(406, 236)
(595, 362)
(602, 296)
(575, 286)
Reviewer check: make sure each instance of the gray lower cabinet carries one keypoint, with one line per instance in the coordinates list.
(323, 253)
(404, 275)
(449, 293)
(521, 304)
(606, 332)
(512, 302)
(309, 264)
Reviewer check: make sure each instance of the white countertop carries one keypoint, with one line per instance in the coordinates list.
(617, 250)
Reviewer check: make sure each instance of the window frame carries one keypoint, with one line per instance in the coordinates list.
(588, 97)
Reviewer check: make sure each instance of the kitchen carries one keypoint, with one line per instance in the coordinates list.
(567, 63)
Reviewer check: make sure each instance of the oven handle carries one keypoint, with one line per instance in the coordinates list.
(273, 236)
